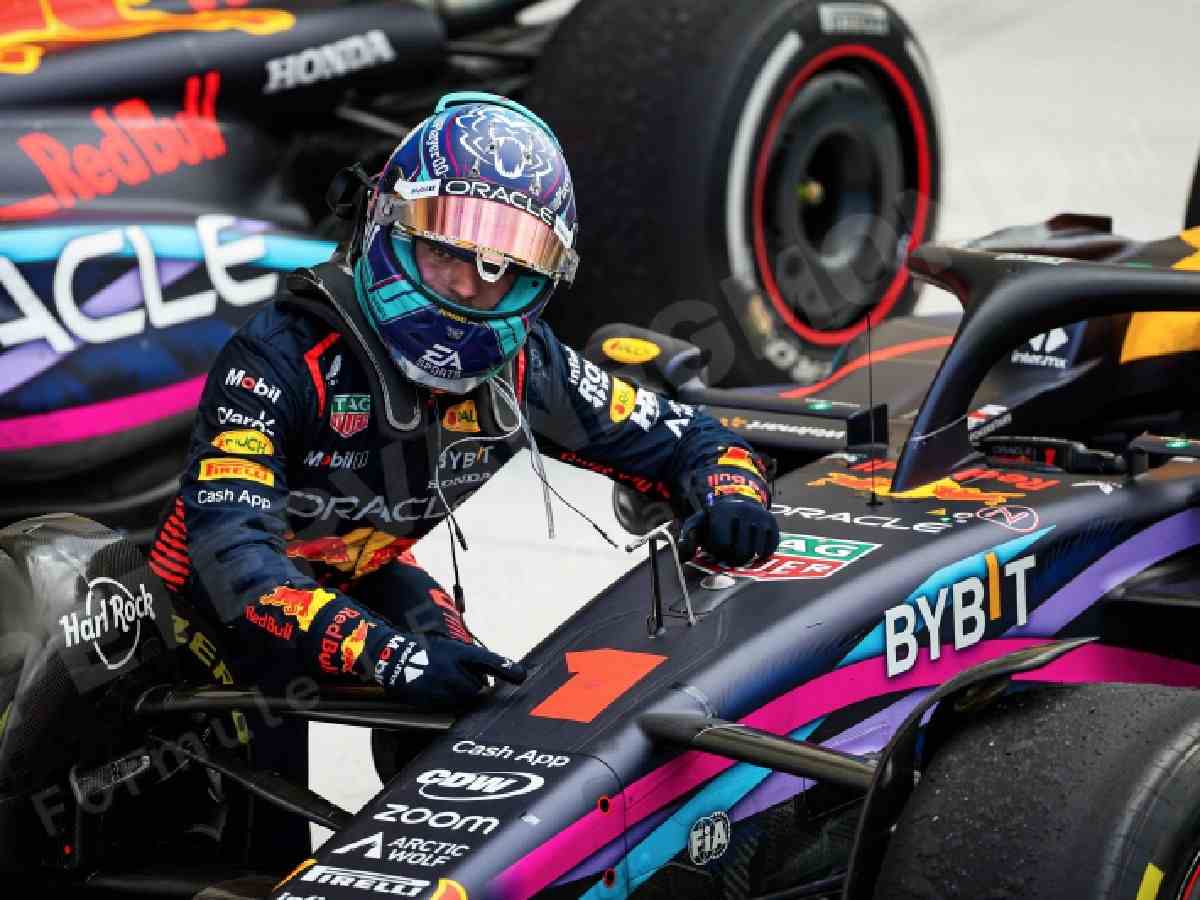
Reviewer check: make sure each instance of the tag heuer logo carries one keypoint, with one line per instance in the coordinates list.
(350, 413)
(799, 556)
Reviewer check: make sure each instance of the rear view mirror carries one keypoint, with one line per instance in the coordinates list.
(638, 513)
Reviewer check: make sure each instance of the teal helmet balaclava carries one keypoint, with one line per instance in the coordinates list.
(485, 179)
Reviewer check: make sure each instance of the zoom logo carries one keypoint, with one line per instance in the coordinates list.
(442, 784)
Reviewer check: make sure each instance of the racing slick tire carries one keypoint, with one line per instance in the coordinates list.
(1086, 791)
(750, 176)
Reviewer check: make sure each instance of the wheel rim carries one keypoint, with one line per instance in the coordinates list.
(767, 265)
(842, 186)
(836, 162)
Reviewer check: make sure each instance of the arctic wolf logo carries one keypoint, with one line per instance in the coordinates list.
(507, 145)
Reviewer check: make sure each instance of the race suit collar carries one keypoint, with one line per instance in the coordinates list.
(326, 291)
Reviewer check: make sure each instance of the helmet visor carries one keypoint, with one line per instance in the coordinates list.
(496, 232)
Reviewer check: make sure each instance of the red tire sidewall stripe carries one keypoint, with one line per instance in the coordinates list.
(920, 217)
(1187, 891)
(861, 362)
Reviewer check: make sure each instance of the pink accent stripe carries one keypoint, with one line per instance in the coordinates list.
(835, 690)
(79, 423)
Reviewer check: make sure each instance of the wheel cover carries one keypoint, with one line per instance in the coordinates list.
(828, 181)
(921, 213)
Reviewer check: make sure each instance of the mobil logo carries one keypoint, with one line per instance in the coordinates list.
(443, 784)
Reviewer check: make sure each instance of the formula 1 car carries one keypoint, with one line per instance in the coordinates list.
(162, 162)
(967, 671)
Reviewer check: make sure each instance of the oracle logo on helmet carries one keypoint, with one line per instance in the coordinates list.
(465, 187)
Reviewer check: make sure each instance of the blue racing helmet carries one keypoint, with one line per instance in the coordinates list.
(485, 179)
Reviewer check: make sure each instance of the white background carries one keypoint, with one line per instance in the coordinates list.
(1045, 106)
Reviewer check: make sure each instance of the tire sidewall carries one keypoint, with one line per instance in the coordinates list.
(1055, 791)
(730, 112)
(1162, 828)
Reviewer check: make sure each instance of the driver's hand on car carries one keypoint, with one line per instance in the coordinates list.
(436, 672)
(731, 519)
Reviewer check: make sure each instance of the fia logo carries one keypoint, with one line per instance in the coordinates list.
(708, 838)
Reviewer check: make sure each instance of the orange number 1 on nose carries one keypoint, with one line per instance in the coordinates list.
(598, 677)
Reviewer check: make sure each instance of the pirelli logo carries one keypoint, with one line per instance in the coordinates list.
(235, 469)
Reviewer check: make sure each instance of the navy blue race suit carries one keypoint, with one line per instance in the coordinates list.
(296, 514)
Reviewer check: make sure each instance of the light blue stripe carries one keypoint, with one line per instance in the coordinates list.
(293, 253)
(33, 245)
(662, 844)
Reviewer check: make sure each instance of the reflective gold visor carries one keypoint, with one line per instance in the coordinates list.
(496, 232)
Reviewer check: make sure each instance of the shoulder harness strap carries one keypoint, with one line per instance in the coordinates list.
(326, 292)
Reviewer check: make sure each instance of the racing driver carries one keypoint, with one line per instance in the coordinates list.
(345, 420)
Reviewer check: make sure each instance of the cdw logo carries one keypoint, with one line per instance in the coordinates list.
(442, 784)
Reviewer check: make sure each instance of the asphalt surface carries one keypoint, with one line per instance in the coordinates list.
(1045, 106)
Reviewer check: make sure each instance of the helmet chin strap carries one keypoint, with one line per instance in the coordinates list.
(490, 266)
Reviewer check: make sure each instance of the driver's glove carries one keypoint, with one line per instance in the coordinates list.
(731, 511)
(434, 672)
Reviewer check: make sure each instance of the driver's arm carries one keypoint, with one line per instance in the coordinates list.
(593, 420)
(228, 529)
(231, 513)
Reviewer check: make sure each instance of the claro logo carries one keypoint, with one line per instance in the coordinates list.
(133, 146)
(442, 784)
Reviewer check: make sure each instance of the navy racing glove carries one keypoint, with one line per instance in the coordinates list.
(731, 519)
(435, 672)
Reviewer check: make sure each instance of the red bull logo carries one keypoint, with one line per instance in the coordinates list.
(740, 458)
(382, 549)
(29, 29)
(300, 605)
(944, 489)
(335, 637)
(356, 553)
(333, 551)
(353, 647)
(133, 146)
